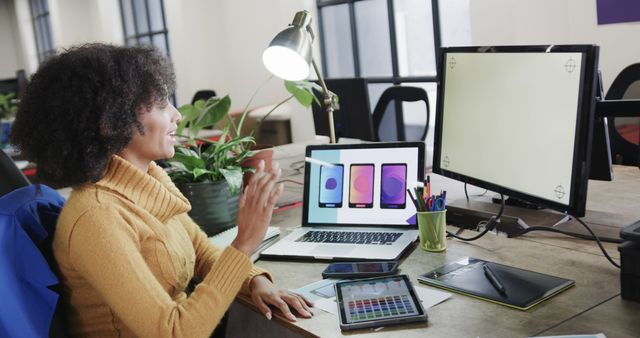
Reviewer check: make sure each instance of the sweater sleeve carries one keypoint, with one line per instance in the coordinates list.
(105, 250)
(207, 253)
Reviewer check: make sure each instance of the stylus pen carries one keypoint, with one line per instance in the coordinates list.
(319, 162)
(494, 280)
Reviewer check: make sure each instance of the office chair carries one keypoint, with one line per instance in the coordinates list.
(624, 132)
(27, 267)
(11, 178)
(353, 118)
(385, 116)
(203, 95)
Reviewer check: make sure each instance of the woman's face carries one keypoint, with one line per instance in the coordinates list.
(158, 139)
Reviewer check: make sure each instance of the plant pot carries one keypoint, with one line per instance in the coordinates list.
(261, 152)
(213, 208)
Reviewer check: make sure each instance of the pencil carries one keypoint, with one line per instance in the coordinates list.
(413, 199)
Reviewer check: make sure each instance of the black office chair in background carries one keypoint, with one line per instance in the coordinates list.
(624, 132)
(388, 119)
(11, 178)
(204, 94)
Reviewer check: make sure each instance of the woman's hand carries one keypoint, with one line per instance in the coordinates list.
(256, 207)
(265, 293)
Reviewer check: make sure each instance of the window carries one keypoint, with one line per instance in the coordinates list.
(42, 28)
(144, 24)
(388, 42)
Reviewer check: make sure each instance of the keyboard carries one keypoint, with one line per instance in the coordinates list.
(351, 237)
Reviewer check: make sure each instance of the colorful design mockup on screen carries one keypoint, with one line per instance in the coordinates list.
(361, 186)
(331, 186)
(332, 197)
(393, 186)
(377, 299)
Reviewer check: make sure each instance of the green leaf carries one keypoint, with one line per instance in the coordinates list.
(214, 110)
(233, 175)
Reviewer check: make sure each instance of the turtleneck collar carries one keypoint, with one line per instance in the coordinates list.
(152, 191)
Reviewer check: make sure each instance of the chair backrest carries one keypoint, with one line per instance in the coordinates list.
(389, 120)
(353, 118)
(624, 132)
(11, 177)
(27, 268)
(204, 94)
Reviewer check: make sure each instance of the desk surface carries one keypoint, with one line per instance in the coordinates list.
(592, 305)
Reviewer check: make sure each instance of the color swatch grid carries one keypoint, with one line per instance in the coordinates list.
(381, 307)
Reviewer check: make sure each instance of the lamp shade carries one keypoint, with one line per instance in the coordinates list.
(289, 54)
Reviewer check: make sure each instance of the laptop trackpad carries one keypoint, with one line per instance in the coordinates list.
(325, 250)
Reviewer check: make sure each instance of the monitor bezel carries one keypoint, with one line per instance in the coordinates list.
(584, 124)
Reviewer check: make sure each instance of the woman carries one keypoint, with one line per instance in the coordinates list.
(95, 118)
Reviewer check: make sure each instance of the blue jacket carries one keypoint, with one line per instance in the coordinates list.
(27, 222)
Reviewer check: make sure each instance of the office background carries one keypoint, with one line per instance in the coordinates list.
(218, 44)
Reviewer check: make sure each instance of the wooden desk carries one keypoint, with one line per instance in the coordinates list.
(592, 305)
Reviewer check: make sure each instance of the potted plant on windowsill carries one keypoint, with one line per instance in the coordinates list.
(210, 172)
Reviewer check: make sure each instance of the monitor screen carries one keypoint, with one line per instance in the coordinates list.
(353, 118)
(518, 120)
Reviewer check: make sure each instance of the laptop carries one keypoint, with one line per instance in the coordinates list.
(355, 204)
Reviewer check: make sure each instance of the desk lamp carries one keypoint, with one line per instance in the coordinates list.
(289, 55)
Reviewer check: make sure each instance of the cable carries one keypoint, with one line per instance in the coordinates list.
(592, 237)
(466, 194)
(549, 229)
(491, 224)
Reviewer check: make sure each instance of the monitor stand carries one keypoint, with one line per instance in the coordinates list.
(467, 214)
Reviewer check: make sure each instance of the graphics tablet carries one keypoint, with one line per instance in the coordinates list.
(376, 302)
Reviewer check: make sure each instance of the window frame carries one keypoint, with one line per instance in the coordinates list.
(150, 34)
(43, 37)
(395, 78)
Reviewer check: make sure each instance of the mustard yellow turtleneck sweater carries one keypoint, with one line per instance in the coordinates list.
(127, 249)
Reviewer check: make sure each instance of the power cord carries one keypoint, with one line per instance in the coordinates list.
(491, 224)
(592, 237)
(466, 194)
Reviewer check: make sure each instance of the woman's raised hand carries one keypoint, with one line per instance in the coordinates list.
(256, 207)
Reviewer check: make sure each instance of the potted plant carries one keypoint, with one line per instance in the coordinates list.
(210, 172)
(8, 109)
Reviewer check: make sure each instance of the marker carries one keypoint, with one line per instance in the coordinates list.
(319, 162)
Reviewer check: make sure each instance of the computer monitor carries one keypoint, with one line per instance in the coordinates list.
(353, 118)
(518, 120)
(601, 164)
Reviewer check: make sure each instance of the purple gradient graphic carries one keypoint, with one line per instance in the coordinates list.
(393, 185)
(361, 187)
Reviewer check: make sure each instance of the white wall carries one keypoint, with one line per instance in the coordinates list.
(218, 45)
(10, 54)
(497, 22)
(80, 21)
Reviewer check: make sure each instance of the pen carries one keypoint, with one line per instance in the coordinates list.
(494, 280)
(413, 199)
(319, 162)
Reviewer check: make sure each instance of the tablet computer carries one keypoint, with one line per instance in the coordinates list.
(375, 302)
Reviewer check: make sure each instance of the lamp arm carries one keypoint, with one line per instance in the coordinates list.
(329, 102)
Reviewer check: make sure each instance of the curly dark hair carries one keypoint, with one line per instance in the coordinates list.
(82, 106)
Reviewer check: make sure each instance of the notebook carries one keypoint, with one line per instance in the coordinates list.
(355, 204)
(225, 238)
(521, 289)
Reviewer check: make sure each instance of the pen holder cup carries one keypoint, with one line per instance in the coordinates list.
(433, 230)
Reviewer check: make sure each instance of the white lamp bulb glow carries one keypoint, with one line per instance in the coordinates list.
(285, 63)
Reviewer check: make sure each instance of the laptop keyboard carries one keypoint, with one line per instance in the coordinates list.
(353, 237)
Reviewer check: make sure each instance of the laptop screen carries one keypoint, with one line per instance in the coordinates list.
(361, 184)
